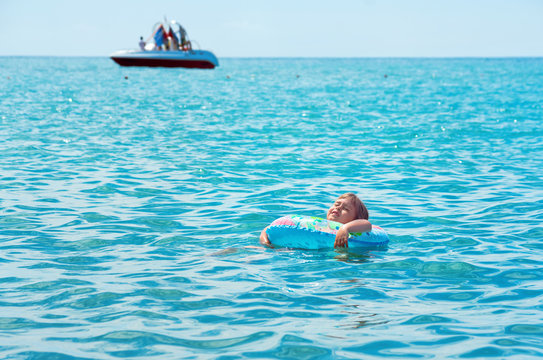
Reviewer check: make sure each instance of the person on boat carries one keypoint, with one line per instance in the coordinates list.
(172, 40)
(160, 37)
(182, 35)
(142, 44)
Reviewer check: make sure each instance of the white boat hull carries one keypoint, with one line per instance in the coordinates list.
(200, 59)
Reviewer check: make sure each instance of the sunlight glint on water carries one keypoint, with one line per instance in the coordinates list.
(132, 199)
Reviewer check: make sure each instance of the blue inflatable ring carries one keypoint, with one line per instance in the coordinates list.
(308, 232)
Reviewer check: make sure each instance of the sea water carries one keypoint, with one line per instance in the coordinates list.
(132, 200)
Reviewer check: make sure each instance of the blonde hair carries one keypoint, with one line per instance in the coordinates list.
(361, 210)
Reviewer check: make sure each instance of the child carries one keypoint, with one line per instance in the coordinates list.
(349, 210)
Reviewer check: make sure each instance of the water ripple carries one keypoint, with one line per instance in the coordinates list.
(131, 208)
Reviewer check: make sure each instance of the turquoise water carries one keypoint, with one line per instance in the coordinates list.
(132, 200)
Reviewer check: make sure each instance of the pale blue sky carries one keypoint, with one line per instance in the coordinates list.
(278, 28)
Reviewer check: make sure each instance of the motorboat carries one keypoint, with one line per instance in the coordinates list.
(168, 46)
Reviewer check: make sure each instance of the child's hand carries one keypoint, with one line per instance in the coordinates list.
(342, 235)
(342, 238)
(264, 238)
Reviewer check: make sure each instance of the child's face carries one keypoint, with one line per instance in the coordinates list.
(342, 211)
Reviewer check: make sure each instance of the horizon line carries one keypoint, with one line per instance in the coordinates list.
(321, 57)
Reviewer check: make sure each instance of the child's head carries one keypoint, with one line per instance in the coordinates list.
(347, 207)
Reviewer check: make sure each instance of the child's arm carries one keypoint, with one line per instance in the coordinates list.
(264, 238)
(355, 226)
